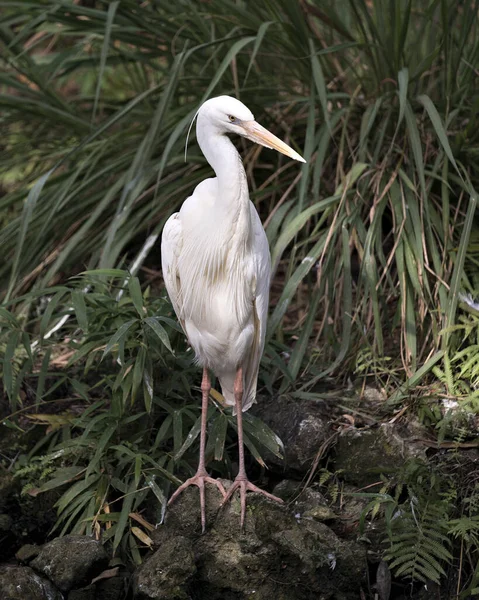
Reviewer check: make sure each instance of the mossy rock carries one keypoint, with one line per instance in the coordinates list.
(276, 556)
(22, 583)
(363, 455)
(167, 574)
(71, 561)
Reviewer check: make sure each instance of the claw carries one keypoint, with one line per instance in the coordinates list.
(199, 480)
(244, 486)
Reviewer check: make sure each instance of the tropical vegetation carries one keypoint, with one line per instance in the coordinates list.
(373, 240)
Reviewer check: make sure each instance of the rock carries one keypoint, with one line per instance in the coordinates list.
(71, 561)
(114, 588)
(8, 486)
(432, 591)
(362, 455)
(166, 575)
(22, 583)
(183, 517)
(277, 556)
(306, 503)
(111, 589)
(29, 519)
(302, 426)
(5, 522)
(85, 593)
(27, 552)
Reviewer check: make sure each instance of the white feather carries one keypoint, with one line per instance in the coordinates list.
(215, 255)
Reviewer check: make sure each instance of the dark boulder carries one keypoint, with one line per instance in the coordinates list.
(71, 561)
(167, 574)
(22, 583)
(362, 455)
(303, 426)
(277, 556)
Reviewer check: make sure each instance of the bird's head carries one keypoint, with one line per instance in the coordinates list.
(229, 115)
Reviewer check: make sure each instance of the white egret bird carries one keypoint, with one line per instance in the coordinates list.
(216, 267)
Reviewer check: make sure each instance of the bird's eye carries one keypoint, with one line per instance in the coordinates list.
(231, 118)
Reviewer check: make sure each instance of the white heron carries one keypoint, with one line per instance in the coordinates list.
(216, 267)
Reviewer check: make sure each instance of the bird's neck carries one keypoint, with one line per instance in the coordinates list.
(232, 197)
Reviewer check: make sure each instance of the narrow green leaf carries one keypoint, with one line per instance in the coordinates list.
(76, 489)
(27, 215)
(293, 228)
(177, 431)
(79, 305)
(124, 516)
(190, 438)
(115, 273)
(320, 83)
(115, 339)
(399, 394)
(438, 127)
(458, 271)
(42, 376)
(138, 371)
(403, 81)
(8, 371)
(136, 295)
(54, 301)
(159, 331)
(100, 448)
(151, 483)
(104, 53)
(263, 28)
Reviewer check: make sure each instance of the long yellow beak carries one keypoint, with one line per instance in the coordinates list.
(258, 134)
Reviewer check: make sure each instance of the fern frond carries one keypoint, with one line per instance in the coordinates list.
(418, 538)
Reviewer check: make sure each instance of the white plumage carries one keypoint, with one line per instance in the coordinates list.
(215, 257)
(224, 257)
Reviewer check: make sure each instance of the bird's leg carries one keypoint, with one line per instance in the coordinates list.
(242, 482)
(201, 476)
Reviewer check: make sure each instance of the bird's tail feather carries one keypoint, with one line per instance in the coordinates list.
(227, 381)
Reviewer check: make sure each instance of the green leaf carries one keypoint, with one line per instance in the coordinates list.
(459, 267)
(104, 53)
(100, 448)
(8, 372)
(439, 128)
(27, 215)
(151, 483)
(124, 516)
(159, 331)
(53, 302)
(43, 376)
(403, 81)
(138, 371)
(258, 430)
(320, 84)
(75, 490)
(114, 273)
(59, 478)
(136, 295)
(190, 438)
(118, 336)
(263, 28)
(79, 305)
(295, 226)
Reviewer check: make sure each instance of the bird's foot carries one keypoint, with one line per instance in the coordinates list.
(244, 485)
(199, 480)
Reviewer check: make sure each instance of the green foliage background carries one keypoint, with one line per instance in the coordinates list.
(372, 239)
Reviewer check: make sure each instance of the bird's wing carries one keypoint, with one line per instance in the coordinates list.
(171, 244)
(262, 275)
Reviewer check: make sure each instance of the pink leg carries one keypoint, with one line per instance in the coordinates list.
(201, 476)
(242, 482)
